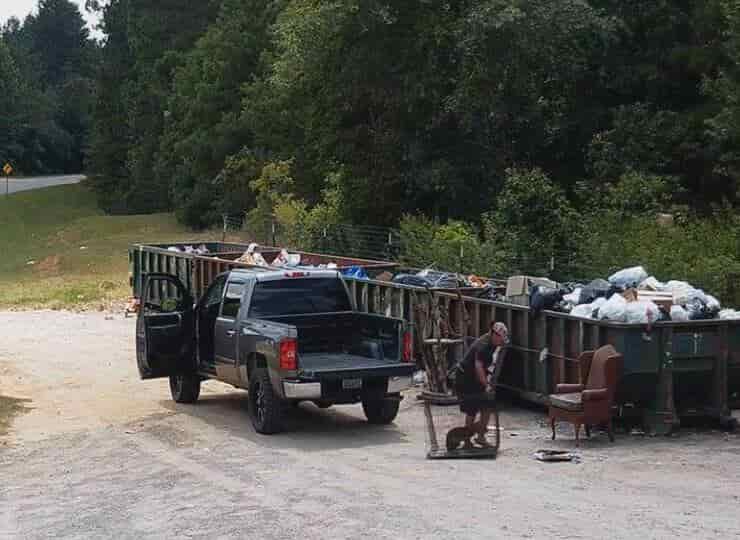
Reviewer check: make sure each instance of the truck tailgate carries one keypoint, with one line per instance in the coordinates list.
(340, 366)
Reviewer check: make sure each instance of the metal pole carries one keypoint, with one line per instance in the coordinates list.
(7, 185)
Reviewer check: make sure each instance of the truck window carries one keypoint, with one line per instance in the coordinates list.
(215, 292)
(298, 296)
(232, 300)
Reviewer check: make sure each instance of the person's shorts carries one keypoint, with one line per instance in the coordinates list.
(473, 397)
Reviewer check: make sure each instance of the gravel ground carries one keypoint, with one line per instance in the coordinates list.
(99, 454)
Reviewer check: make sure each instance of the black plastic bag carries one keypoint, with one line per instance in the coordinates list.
(698, 310)
(541, 297)
(408, 279)
(598, 288)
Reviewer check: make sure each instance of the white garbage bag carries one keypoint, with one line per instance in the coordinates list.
(729, 315)
(682, 291)
(599, 302)
(679, 314)
(651, 284)
(642, 312)
(584, 311)
(574, 297)
(614, 309)
(629, 277)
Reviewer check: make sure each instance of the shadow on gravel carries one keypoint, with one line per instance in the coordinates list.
(306, 427)
(9, 407)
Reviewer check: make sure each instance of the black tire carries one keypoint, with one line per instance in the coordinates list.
(265, 406)
(185, 388)
(380, 410)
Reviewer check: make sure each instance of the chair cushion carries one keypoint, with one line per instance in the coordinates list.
(569, 402)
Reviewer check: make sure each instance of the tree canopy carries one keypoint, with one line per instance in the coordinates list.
(442, 108)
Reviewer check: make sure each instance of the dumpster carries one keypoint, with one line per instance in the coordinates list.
(196, 271)
(671, 370)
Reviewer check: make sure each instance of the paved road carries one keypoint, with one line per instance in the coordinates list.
(101, 454)
(26, 184)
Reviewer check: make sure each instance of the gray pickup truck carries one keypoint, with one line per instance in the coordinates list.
(284, 336)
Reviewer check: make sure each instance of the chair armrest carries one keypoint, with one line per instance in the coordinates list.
(595, 395)
(568, 388)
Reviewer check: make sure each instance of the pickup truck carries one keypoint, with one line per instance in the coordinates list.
(284, 336)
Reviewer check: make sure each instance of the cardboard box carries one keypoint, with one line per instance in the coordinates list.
(663, 300)
(517, 288)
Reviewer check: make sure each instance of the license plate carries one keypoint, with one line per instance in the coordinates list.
(351, 384)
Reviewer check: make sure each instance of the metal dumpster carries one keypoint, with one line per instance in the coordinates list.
(197, 271)
(671, 370)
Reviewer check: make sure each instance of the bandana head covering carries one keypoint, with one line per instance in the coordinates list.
(500, 329)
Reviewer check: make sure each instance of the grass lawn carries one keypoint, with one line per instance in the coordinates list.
(58, 250)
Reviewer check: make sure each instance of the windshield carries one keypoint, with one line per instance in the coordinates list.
(298, 296)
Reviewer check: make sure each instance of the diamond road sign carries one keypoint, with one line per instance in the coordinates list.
(8, 170)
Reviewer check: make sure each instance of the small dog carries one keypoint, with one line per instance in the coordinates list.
(459, 435)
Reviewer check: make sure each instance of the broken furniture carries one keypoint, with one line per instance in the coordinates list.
(589, 404)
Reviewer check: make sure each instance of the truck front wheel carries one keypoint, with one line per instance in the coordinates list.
(185, 387)
(265, 407)
(380, 410)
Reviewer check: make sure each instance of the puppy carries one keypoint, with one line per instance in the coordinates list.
(460, 435)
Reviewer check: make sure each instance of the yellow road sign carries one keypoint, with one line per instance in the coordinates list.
(8, 170)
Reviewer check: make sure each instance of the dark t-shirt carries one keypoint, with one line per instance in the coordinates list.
(482, 350)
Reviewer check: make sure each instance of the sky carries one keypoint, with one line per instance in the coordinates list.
(21, 8)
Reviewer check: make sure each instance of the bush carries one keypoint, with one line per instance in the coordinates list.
(703, 251)
(532, 223)
(454, 246)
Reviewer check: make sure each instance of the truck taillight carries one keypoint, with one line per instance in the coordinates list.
(288, 354)
(407, 347)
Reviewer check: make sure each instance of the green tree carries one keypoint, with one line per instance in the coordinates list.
(532, 226)
(203, 125)
(111, 139)
(10, 104)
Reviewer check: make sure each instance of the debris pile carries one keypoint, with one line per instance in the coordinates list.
(629, 296)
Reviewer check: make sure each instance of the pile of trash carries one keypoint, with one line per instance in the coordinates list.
(630, 296)
(433, 279)
(200, 250)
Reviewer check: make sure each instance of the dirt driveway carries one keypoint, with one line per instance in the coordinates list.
(100, 454)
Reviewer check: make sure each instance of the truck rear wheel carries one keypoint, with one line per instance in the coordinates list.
(380, 410)
(185, 387)
(265, 407)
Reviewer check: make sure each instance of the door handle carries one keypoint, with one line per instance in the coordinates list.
(230, 333)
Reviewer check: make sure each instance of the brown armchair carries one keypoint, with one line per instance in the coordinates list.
(591, 403)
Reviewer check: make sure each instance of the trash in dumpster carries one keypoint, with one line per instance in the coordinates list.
(542, 297)
(629, 277)
(651, 284)
(252, 256)
(729, 314)
(614, 309)
(287, 259)
(200, 250)
(356, 272)
(642, 312)
(598, 288)
(679, 314)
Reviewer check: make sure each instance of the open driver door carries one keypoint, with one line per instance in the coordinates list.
(165, 328)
